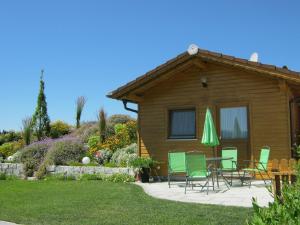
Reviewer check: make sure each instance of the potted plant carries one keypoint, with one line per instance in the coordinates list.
(142, 166)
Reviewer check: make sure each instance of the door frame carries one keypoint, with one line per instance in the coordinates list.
(218, 106)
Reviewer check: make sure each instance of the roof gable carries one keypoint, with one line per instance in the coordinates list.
(199, 59)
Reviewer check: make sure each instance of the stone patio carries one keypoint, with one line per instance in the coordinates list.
(237, 195)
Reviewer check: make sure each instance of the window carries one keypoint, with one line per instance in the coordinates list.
(234, 123)
(182, 124)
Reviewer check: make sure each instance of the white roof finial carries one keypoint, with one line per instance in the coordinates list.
(254, 57)
(193, 49)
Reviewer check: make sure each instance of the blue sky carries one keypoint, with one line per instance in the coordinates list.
(91, 47)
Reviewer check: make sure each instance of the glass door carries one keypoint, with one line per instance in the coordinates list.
(234, 129)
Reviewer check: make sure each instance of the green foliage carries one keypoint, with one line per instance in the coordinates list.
(110, 165)
(61, 177)
(3, 176)
(102, 125)
(93, 142)
(120, 128)
(97, 176)
(115, 178)
(80, 103)
(131, 127)
(120, 178)
(59, 128)
(143, 162)
(116, 119)
(284, 210)
(72, 163)
(10, 148)
(125, 156)
(27, 130)
(10, 136)
(40, 119)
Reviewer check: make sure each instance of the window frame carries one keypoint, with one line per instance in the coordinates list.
(247, 122)
(169, 121)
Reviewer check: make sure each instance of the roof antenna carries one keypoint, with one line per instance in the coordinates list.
(193, 49)
(254, 57)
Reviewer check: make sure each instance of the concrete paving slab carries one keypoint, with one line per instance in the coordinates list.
(236, 196)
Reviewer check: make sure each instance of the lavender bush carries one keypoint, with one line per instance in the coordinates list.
(33, 156)
(65, 151)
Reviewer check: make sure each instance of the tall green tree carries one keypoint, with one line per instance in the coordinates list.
(102, 124)
(40, 119)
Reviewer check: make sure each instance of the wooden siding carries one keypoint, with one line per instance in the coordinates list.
(268, 110)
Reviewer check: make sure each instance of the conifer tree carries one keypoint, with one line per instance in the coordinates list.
(40, 119)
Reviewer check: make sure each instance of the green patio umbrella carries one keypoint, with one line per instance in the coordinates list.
(210, 137)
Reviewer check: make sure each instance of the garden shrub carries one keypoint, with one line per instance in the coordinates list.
(93, 144)
(116, 119)
(120, 178)
(124, 156)
(87, 130)
(10, 148)
(131, 127)
(64, 151)
(33, 155)
(10, 136)
(103, 156)
(59, 128)
(284, 210)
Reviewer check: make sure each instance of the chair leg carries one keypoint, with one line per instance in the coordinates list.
(213, 181)
(169, 180)
(207, 183)
(186, 183)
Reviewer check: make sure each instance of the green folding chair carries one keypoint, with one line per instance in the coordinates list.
(259, 167)
(176, 164)
(229, 166)
(196, 170)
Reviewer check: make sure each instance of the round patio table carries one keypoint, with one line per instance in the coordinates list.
(216, 163)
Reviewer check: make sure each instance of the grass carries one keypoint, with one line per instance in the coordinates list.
(96, 202)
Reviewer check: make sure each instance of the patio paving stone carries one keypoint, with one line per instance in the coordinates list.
(237, 195)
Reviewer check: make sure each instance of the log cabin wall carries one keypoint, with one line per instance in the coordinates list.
(267, 101)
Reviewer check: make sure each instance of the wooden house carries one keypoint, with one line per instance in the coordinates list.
(253, 105)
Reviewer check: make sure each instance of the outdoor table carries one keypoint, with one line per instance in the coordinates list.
(216, 163)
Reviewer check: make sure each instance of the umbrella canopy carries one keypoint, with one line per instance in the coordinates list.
(210, 137)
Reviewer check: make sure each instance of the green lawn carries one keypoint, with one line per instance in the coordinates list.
(96, 202)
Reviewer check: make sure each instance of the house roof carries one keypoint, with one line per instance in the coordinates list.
(205, 56)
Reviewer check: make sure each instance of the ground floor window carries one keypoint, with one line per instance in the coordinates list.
(234, 123)
(182, 124)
